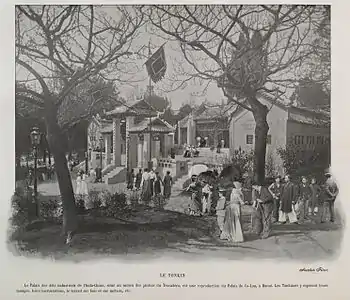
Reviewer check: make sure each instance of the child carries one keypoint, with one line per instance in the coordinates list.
(220, 210)
(205, 198)
(315, 194)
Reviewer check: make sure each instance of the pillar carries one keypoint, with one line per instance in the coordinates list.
(133, 150)
(145, 147)
(191, 131)
(178, 134)
(116, 142)
(129, 124)
(107, 140)
(140, 153)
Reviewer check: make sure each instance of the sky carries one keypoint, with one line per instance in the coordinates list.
(194, 92)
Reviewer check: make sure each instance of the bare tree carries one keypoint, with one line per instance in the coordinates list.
(245, 49)
(59, 48)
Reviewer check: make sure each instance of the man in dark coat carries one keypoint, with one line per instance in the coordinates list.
(330, 193)
(264, 206)
(289, 196)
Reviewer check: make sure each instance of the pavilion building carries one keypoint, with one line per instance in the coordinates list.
(133, 135)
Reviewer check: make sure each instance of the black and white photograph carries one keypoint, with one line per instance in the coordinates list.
(190, 132)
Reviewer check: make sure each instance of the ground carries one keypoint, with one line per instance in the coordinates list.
(150, 234)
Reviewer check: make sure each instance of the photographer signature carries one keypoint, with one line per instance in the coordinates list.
(314, 270)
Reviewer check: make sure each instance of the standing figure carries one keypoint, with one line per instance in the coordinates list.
(168, 181)
(158, 191)
(218, 148)
(275, 189)
(247, 187)
(304, 199)
(220, 209)
(315, 197)
(92, 175)
(152, 177)
(138, 179)
(82, 192)
(232, 229)
(289, 195)
(264, 202)
(196, 196)
(88, 204)
(146, 193)
(205, 197)
(130, 179)
(330, 193)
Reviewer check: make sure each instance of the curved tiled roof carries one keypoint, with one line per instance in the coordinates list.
(157, 125)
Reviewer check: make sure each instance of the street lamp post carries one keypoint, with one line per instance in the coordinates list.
(35, 137)
(101, 161)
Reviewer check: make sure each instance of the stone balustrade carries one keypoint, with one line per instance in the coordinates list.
(176, 168)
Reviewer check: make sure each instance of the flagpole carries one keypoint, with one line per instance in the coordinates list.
(150, 119)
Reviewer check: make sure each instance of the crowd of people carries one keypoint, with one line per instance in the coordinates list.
(190, 151)
(152, 186)
(277, 203)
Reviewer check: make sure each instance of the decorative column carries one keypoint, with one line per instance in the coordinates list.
(191, 131)
(146, 155)
(116, 142)
(178, 133)
(140, 152)
(128, 125)
(107, 140)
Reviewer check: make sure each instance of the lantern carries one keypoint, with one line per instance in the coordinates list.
(35, 136)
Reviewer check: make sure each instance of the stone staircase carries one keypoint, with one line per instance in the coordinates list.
(115, 175)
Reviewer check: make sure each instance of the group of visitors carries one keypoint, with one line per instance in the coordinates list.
(299, 202)
(191, 151)
(151, 184)
(278, 202)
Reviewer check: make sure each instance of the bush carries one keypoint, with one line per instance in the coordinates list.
(51, 209)
(116, 204)
(22, 206)
(243, 160)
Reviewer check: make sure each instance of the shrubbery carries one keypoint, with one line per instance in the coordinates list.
(105, 203)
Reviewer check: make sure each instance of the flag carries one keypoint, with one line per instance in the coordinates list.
(156, 65)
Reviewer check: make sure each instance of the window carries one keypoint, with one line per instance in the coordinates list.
(296, 140)
(249, 139)
(327, 140)
(268, 141)
(318, 140)
(312, 140)
(302, 139)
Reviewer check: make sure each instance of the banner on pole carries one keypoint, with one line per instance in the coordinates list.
(156, 65)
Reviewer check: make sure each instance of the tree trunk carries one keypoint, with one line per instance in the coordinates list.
(261, 129)
(55, 139)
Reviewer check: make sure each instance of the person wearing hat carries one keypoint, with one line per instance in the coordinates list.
(232, 229)
(264, 202)
(289, 197)
(275, 189)
(330, 194)
(220, 209)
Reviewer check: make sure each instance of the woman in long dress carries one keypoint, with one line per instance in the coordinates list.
(168, 181)
(232, 230)
(196, 196)
(146, 192)
(82, 191)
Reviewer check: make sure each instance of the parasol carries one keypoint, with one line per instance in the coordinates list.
(196, 170)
